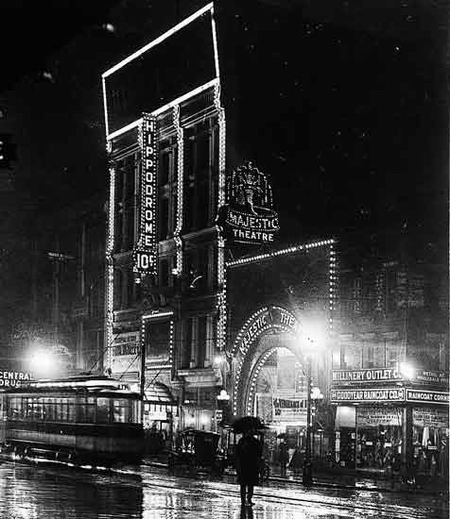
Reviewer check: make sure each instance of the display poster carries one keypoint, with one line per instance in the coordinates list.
(289, 410)
(157, 341)
(125, 358)
(430, 417)
(373, 416)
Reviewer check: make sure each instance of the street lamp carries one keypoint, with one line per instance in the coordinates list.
(42, 362)
(312, 341)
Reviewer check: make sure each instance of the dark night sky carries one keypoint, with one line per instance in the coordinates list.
(341, 102)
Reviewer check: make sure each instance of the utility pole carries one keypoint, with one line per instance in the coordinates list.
(142, 377)
(307, 467)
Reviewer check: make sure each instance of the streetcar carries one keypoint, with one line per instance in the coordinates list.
(84, 419)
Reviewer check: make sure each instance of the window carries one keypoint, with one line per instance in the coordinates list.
(125, 204)
(198, 173)
(350, 356)
(188, 336)
(368, 356)
(90, 409)
(163, 218)
(201, 341)
(122, 411)
(164, 271)
(392, 355)
(166, 190)
(157, 340)
(103, 410)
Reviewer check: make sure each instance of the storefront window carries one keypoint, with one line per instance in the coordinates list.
(430, 440)
(379, 437)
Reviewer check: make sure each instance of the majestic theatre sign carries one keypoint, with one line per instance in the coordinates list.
(248, 216)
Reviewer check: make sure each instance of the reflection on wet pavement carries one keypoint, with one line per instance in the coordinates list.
(35, 492)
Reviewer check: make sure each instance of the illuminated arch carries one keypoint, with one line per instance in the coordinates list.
(265, 320)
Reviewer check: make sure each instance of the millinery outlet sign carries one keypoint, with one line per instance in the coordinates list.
(146, 252)
(248, 216)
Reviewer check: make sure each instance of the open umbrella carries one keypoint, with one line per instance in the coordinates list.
(247, 423)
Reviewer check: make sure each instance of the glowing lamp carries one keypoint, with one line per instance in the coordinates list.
(43, 363)
(407, 370)
(223, 395)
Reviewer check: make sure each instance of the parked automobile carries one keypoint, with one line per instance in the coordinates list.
(197, 450)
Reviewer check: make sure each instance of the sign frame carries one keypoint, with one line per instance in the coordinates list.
(145, 254)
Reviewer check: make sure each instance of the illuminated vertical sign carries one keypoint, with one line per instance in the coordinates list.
(146, 252)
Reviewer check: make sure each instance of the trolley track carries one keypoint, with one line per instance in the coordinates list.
(353, 505)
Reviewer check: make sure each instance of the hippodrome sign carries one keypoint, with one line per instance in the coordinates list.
(145, 253)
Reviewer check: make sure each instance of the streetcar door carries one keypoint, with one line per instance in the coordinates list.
(2, 418)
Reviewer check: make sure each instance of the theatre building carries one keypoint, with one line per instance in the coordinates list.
(389, 374)
(186, 318)
(166, 141)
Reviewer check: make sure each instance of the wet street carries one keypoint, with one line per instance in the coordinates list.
(60, 492)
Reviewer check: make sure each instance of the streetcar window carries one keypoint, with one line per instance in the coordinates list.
(27, 405)
(71, 409)
(81, 410)
(103, 410)
(61, 409)
(38, 409)
(15, 408)
(121, 411)
(51, 409)
(90, 410)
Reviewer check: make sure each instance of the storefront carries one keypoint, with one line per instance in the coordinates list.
(430, 431)
(159, 417)
(379, 432)
(380, 426)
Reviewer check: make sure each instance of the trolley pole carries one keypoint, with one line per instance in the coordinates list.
(142, 378)
(307, 467)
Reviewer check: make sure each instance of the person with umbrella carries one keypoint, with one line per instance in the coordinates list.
(283, 456)
(248, 458)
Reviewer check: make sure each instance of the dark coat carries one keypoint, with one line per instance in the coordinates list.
(283, 455)
(248, 460)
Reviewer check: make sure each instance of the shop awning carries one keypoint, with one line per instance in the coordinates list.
(158, 393)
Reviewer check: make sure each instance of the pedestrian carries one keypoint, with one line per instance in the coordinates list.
(283, 457)
(297, 461)
(248, 463)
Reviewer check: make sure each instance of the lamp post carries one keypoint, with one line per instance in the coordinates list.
(307, 466)
(312, 340)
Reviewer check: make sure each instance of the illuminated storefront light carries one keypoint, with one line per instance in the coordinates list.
(110, 268)
(180, 182)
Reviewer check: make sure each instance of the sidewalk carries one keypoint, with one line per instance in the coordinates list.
(362, 480)
(341, 479)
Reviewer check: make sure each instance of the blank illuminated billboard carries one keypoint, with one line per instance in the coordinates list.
(178, 62)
